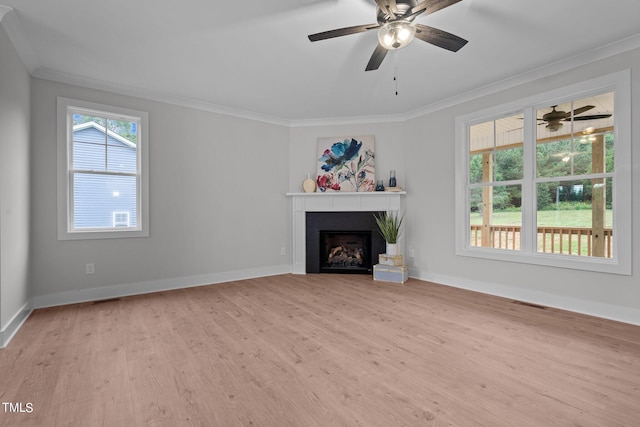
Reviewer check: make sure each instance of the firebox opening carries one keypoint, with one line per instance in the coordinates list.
(345, 251)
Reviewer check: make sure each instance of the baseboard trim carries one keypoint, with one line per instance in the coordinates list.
(115, 291)
(14, 325)
(592, 308)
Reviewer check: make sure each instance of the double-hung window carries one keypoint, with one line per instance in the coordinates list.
(546, 180)
(102, 171)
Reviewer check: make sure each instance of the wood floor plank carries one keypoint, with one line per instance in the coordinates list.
(320, 350)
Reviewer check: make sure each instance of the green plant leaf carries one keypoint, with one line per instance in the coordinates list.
(389, 224)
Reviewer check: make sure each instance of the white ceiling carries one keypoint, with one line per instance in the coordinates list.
(254, 57)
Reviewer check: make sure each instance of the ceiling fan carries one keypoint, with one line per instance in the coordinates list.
(396, 28)
(554, 118)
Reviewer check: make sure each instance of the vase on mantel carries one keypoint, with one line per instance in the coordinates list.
(392, 179)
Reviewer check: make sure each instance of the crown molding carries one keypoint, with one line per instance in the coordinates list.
(4, 10)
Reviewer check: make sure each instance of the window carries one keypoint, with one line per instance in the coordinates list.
(546, 180)
(102, 171)
(121, 219)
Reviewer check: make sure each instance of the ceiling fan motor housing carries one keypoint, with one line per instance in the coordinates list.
(402, 5)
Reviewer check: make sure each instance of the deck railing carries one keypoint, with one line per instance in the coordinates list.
(556, 240)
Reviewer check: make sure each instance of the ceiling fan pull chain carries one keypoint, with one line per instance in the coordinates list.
(395, 74)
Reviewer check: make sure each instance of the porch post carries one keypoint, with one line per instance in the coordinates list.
(598, 196)
(487, 199)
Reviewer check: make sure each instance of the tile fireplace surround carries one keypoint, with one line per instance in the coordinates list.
(335, 202)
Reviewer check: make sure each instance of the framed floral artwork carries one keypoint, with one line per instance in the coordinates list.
(346, 164)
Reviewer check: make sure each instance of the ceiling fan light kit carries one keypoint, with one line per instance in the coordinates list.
(396, 28)
(396, 35)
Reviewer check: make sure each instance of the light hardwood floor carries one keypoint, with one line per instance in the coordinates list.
(320, 350)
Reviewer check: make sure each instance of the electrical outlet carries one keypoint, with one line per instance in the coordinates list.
(91, 268)
(412, 253)
(283, 251)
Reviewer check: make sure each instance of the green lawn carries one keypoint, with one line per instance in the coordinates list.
(559, 218)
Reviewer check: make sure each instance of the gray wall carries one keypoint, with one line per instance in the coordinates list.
(14, 187)
(217, 204)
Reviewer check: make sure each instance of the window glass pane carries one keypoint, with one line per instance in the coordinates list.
(496, 216)
(583, 155)
(495, 150)
(87, 155)
(593, 122)
(568, 133)
(609, 142)
(481, 137)
(481, 144)
(79, 118)
(121, 158)
(508, 148)
(508, 164)
(96, 197)
(575, 217)
(475, 168)
(88, 142)
(96, 148)
(126, 130)
(121, 146)
(554, 158)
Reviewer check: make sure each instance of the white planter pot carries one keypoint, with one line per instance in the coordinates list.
(392, 249)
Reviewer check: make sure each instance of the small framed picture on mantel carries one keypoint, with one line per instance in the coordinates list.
(346, 164)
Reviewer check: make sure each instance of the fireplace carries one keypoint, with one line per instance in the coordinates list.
(342, 242)
(340, 203)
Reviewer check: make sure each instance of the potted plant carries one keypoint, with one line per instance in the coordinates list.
(389, 226)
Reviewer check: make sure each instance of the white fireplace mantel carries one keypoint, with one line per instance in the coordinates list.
(302, 203)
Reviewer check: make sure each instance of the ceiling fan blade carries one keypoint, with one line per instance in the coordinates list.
(394, 7)
(430, 6)
(439, 38)
(581, 110)
(342, 32)
(376, 59)
(410, 16)
(591, 117)
(388, 9)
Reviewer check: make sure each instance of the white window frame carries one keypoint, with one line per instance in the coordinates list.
(621, 263)
(66, 231)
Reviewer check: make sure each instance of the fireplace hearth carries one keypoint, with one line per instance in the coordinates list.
(342, 242)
